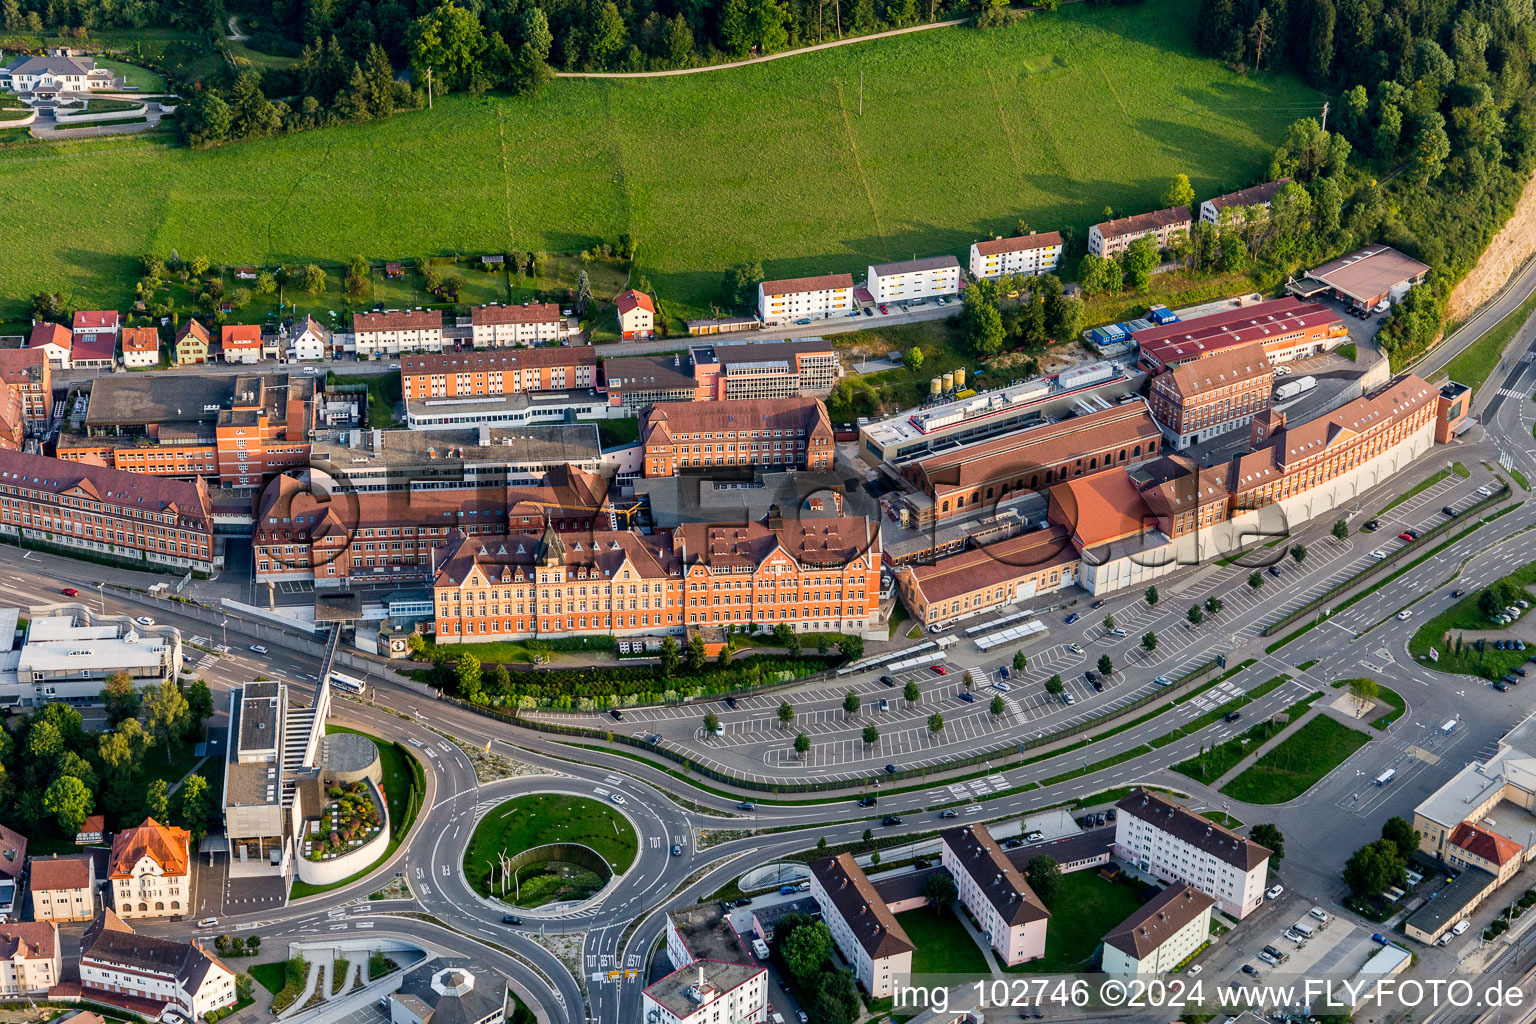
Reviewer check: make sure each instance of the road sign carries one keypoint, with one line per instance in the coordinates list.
(615, 975)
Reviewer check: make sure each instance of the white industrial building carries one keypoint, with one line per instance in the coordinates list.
(914, 279)
(68, 656)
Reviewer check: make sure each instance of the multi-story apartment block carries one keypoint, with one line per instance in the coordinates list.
(396, 331)
(13, 856)
(1248, 203)
(1111, 237)
(863, 928)
(1010, 915)
(811, 575)
(1286, 328)
(708, 992)
(393, 536)
(498, 372)
(914, 279)
(118, 964)
(30, 963)
(961, 478)
(777, 432)
(141, 347)
(150, 871)
(1162, 934)
(1165, 839)
(55, 341)
(63, 888)
(1033, 254)
(532, 323)
(1203, 398)
(192, 343)
(127, 515)
(28, 372)
(805, 298)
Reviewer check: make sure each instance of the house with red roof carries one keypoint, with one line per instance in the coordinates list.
(141, 347)
(637, 315)
(56, 342)
(97, 321)
(241, 343)
(1472, 846)
(94, 351)
(150, 871)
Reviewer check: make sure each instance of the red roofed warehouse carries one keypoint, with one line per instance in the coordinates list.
(1288, 329)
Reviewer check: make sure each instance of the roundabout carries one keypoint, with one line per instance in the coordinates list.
(543, 848)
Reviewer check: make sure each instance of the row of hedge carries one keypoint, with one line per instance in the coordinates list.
(564, 688)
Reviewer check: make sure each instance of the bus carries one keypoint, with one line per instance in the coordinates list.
(351, 684)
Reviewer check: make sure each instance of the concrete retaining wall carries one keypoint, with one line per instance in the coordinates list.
(112, 115)
(327, 872)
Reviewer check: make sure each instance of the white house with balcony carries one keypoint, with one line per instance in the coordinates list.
(59, 76)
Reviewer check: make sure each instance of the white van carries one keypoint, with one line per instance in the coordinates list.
(1319, 915)
(760, 949)
(1306, 930)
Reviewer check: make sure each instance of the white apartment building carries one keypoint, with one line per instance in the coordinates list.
(1164, 839)
(393, 332)
(1033, 254)
(803, 298)
(501, 326)
(309, 342)
(29, 959)
(63, 888)
(116, 960)
(1011, 916)
(1247, 202)
(914, 279)
(150, 871)
(1111, 237)
(1161, 934)
(863, 928)
(708, 992)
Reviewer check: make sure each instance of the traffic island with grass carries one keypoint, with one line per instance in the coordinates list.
(1297, 763)
(548, 847)
(1454, 652)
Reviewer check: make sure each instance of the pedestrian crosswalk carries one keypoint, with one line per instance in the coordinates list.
(1511, 393)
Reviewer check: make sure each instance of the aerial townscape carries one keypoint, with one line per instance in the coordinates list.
(952, 514)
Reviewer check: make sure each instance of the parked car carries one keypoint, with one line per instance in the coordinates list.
(1460, 928)
(618, 716)
(1034, 837)
(1075, 648)
(730, 702)
(1405, 537)
(1250, 969)
(1091, 675)
(1072, 618)
(1274, 892)
(1264, 957)
(885, 705)
(920, 863)
(1380, 939)
(1098, 686)
(1378, 553)
(1371, 526)
(967, 696)
(890, 769)
(1450, 510)
(1098, 819)
(258, 649)
(940, 670)
(1274, 571)
(1501, 686)
(744, 901)
(1069, 698)
(1097, 604)
(1012, 844)
(888, 681)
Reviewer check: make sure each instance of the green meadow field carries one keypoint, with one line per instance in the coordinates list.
(963, 133)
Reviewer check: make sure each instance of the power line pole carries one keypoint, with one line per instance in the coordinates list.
(429, 88)
(1325, 115)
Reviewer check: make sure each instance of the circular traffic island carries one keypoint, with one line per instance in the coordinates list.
(548, 848)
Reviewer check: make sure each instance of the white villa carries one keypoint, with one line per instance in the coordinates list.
(56, 77)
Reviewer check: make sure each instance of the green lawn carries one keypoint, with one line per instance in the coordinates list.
(535, 820)
(1211, 764)
(1348, 351)
(1086, 908)
(1442, 631)
(1475, 363)
(135, 77)
(268, 976)
(1048, 110)
(384, 390)
(613, 433)
(404, 785)
(1300, 760)
(943, 944)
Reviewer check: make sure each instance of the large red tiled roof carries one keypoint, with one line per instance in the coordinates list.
(1480, 842)
(166, 845)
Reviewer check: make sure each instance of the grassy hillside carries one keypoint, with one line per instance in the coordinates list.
(963, 133)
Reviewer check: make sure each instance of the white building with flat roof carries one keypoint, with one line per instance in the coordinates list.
(69, 655)
(1033, 254)
(914, 279)
(708, 992)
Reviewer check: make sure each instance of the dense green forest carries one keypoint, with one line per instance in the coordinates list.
(1436, 99)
